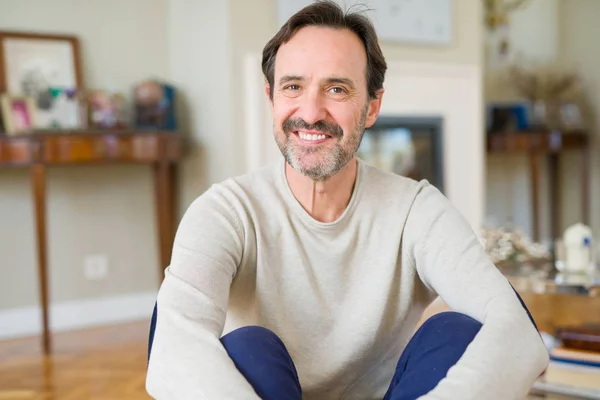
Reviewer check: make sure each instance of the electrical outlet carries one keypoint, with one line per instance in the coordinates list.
(95, 267)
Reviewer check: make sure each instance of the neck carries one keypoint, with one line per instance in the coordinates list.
(326, 200)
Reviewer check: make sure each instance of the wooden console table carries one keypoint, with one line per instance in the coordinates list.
(550, 144)
(38, 151)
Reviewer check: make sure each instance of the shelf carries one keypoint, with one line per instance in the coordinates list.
(84, 132)
(536, 141)
(573, 392)
(89, 147)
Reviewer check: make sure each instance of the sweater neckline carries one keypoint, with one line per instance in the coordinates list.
(302, 213)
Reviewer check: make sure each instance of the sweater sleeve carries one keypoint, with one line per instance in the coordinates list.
(188, 360)
(507, 355)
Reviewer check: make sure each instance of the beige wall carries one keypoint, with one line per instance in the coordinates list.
(465, 49)
(534, 35)
(254, 22)
(93, 209)
(578, 46)
(199, 65)
(563, 31)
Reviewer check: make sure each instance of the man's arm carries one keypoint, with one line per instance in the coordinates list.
(187, 359)
(507, 355)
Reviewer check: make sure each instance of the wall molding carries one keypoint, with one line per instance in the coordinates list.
(78, 314)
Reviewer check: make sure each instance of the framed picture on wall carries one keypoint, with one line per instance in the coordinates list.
(425, 22)
(46, 68)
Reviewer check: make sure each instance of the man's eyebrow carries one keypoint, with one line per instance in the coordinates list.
(339, 80)
(290, 78)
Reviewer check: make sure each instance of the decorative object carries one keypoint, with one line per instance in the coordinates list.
(107, 110)
(413, 21)
(46, 68)
(497, 14)
(498, 48)
(18, 114)
(154, 106)
(511, 249)
(510, 117)
(497, 11)
(577, 248)
(556, 95)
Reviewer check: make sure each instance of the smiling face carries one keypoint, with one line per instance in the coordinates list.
(320, 101)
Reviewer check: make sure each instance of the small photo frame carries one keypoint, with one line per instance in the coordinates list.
(18, 114)
(508, 117)
(154, 106)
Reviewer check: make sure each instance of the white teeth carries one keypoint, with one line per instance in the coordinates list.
(305, 136)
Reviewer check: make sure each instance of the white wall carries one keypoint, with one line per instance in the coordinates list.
(91, 210)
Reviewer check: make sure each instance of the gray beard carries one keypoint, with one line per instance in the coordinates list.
(331, 162)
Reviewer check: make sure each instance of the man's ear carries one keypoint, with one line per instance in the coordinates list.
(268, 93)
(374, 107)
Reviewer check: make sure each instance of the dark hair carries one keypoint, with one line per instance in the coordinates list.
(328, 14)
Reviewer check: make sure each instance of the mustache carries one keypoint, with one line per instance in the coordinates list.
(294, 124)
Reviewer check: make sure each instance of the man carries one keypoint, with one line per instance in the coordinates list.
(305, 279)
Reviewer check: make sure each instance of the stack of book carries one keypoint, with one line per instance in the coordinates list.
(575, 364)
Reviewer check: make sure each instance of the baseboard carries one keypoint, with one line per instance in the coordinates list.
(69, 315)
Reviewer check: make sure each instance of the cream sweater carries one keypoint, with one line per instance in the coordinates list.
(344, 296)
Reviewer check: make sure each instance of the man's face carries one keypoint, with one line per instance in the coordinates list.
(320, 100)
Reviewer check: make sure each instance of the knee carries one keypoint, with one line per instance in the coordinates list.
(452, 327)
(249, 337)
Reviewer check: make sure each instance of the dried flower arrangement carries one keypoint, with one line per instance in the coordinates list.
(509, 249)
(552, 87)
(545, 83)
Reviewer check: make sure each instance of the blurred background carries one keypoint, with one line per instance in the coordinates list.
(116, 115)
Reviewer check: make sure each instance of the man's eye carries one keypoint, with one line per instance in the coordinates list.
(292, 87)
(337, 90)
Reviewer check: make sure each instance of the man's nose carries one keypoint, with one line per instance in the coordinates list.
(312, 108)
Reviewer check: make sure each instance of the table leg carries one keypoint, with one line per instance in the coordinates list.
(39, 199)
(534, 172)
(555, 186)
(164, 178)
(585, 184)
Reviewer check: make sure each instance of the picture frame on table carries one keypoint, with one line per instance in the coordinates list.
(19, 114)
(508, 117)
(46, 68)
(154, 106)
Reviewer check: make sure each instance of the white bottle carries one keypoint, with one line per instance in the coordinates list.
(578, 248)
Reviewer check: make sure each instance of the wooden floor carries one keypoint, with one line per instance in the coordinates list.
(107, 363)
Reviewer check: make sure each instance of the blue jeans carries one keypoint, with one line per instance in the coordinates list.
(262, 358)
(264, 361)
(440, 341)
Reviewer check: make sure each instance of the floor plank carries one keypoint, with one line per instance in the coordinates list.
(107, 363)
(104, 363)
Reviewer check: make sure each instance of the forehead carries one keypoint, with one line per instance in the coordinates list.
(319, 51)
